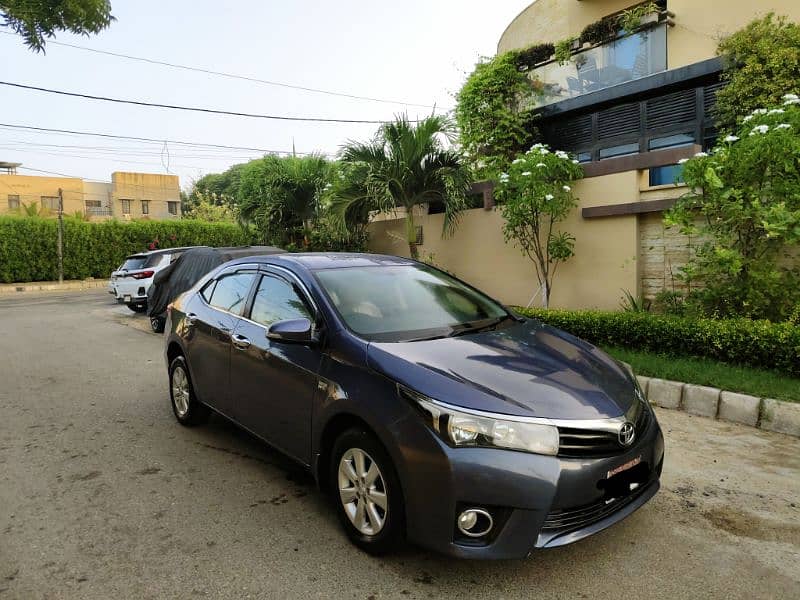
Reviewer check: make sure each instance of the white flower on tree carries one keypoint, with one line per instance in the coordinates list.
(730, 138)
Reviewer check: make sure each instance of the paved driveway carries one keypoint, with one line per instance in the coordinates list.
(103, 495)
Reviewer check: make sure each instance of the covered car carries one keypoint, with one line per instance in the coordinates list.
(187, 270)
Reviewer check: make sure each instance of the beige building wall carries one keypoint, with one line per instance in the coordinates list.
(605, 261)
(699, 24)
(31, 189)
(157, 190)
(82, 196)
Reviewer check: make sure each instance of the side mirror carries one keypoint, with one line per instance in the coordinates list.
(295, 331)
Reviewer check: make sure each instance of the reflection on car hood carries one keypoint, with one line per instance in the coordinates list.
(529, 369)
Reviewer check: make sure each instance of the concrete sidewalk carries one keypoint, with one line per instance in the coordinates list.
(52, 286)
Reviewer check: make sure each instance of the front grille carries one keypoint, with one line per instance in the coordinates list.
(575, 518)
(579, 443)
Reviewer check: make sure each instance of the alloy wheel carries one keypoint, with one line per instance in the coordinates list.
(362, 491)
(180, 391)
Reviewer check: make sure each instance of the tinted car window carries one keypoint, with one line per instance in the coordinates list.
(133, 262)
(277, 300)
(398, 302)
(154, 260)
(230, 293)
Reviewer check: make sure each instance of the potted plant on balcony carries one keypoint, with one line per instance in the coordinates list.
(564, 49)
(635, 18)
(599, 32)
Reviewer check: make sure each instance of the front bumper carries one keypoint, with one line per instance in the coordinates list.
(539, 501)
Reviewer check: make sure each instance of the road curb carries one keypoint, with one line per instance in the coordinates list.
(51, 286)
(764, 413)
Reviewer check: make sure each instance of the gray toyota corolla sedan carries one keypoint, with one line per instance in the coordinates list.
(426, 409)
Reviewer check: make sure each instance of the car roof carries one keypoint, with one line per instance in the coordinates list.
(161, 251)
(316, 261)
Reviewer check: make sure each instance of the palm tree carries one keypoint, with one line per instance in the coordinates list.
(281, 196)
(406, 165)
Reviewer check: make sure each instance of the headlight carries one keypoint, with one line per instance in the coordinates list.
(461, 428)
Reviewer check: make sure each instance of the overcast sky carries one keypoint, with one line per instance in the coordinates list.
(414, 51)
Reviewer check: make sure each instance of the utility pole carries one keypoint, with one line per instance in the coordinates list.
(60, 247)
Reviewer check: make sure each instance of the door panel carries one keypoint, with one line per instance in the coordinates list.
(209, 346)
(273, 383)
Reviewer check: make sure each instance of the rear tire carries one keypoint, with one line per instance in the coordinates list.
(138, 307)
(185, 405)
(367, 493)
(157, 324)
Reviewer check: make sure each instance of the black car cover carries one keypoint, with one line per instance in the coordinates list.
(189, 268)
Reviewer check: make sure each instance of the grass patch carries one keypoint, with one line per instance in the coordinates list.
(703, 371)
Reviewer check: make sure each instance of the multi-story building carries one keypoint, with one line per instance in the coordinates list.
(126, 196)
(629, 107)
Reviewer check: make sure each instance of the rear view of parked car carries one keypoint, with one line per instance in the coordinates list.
(426, 409)
(129, 283)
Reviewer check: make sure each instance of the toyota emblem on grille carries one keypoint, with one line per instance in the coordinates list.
(627, 433)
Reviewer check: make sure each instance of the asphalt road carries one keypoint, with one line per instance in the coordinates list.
(104, 495)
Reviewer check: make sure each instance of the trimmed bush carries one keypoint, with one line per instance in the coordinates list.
(28, 244)
(761, 344)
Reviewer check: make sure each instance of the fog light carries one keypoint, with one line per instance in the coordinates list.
(475, 522)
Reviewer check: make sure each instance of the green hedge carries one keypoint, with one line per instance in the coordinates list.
(28, 244)
(761, 344)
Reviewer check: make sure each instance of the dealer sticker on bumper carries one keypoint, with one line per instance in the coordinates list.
(628, 465)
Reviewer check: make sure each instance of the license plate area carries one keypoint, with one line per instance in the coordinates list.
(625, 480)
(127, 297)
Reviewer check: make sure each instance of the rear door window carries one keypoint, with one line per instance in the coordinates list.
(230, 293)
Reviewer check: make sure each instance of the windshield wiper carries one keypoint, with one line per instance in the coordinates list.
(466, 328)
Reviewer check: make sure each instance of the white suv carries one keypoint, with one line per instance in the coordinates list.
(129, 283)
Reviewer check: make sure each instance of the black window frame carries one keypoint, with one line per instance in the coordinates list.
(628, 122)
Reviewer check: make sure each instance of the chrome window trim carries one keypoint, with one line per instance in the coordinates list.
(257, 267)
(228, 271)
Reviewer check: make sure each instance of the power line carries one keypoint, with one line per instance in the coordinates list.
(233, 75)
(190, 108)
(126, 185)
(144, 139)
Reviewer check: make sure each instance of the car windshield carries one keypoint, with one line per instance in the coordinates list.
(407, 302)
(133, 262)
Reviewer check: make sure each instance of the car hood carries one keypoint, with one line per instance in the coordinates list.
(527, 369)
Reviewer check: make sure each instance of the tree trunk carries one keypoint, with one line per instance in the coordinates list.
(546, 295)
(411, 233)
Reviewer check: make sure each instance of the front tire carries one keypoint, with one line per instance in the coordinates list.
(187, 409)
(366, 492)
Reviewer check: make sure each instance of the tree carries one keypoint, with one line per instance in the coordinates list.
(209, 207)
(218, 188)
(36, 20)
(406, 165)
(493, 112)
(761, 64)
(746, 193)
(535, 197)
(281, 196)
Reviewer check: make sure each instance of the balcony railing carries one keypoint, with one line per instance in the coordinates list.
(98, 211)
(622, 60)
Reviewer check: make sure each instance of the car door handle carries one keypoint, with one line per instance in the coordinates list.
(191, 318)
(241, 342)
